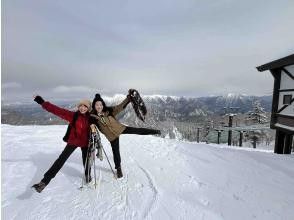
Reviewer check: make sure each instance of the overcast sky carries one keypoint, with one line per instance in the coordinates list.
(73, 48)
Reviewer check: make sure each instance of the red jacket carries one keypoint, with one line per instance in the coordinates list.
(79, 138)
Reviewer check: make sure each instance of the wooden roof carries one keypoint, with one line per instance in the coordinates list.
(288, 60)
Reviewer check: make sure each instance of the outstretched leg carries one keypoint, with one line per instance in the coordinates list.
(140, 131)
(57, 165)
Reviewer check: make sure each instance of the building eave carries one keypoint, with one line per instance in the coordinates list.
(285, 61)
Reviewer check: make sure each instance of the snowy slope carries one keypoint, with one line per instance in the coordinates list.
(164, 179)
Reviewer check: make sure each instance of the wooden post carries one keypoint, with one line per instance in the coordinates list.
(280, 142)
(219, 132)
(288, 144)
(230, 131)
(241, 139)
(292, 143)
(198, 132)
(254, 141)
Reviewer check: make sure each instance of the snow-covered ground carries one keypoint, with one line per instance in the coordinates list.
(163, 179)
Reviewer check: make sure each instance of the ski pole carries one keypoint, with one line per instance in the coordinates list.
(108, 161)
(94, 163)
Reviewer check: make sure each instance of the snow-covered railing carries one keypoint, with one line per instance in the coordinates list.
(247, 128)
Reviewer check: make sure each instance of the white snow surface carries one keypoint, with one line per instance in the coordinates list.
(163, 179)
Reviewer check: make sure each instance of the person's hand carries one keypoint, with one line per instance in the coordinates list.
(38, 99)
(130, 91)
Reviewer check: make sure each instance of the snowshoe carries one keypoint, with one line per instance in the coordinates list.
(138, 104)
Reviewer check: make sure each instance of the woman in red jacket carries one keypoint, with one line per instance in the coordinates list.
(78, 136)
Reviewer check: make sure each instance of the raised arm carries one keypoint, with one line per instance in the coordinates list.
(60, 112)
(118, 108)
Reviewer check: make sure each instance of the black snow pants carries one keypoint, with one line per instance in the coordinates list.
(57, 165)
(128, 130)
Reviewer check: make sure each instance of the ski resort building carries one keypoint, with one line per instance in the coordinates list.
(282, 118)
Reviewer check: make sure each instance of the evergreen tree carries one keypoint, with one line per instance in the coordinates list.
(257, 115)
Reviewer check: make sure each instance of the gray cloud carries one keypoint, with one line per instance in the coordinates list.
(195, 48)
(11, 85)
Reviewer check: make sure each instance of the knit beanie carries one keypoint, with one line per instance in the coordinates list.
(86, 103)
(96, 99)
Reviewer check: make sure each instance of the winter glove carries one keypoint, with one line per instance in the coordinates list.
(130, 91)
(39, 100)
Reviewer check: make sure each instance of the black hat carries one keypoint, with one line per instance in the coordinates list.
(96, 99)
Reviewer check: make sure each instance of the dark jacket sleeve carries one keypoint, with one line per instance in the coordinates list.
(60, 112)
(118, 108)
(93, 120)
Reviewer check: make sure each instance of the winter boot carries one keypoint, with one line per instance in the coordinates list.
(88, 179)
(158, 132)
(39, 186)
(119, 173)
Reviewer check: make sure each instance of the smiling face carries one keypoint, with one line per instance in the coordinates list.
(83, 109)
(99, 106)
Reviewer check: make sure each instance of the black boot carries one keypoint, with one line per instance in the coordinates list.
(39, 186)
(158, 132)
(119, 173)
(88, 179)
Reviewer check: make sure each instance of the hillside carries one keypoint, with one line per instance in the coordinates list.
(163, 179)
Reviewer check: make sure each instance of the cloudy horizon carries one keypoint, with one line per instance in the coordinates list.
(69, 49)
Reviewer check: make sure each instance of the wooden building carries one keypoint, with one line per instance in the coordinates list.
(282, 118)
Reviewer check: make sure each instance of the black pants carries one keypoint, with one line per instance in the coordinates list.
(128, 130)
(57, 165)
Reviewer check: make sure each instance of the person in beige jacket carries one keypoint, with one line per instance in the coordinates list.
(104, 118)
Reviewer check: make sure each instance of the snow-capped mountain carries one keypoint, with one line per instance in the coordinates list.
(160, 108)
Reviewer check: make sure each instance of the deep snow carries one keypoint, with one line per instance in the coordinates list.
(163, 179)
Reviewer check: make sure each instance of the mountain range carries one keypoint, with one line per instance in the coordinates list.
(160, 109)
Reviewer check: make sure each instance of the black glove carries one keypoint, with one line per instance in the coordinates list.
(39, 100)
(130, 91)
